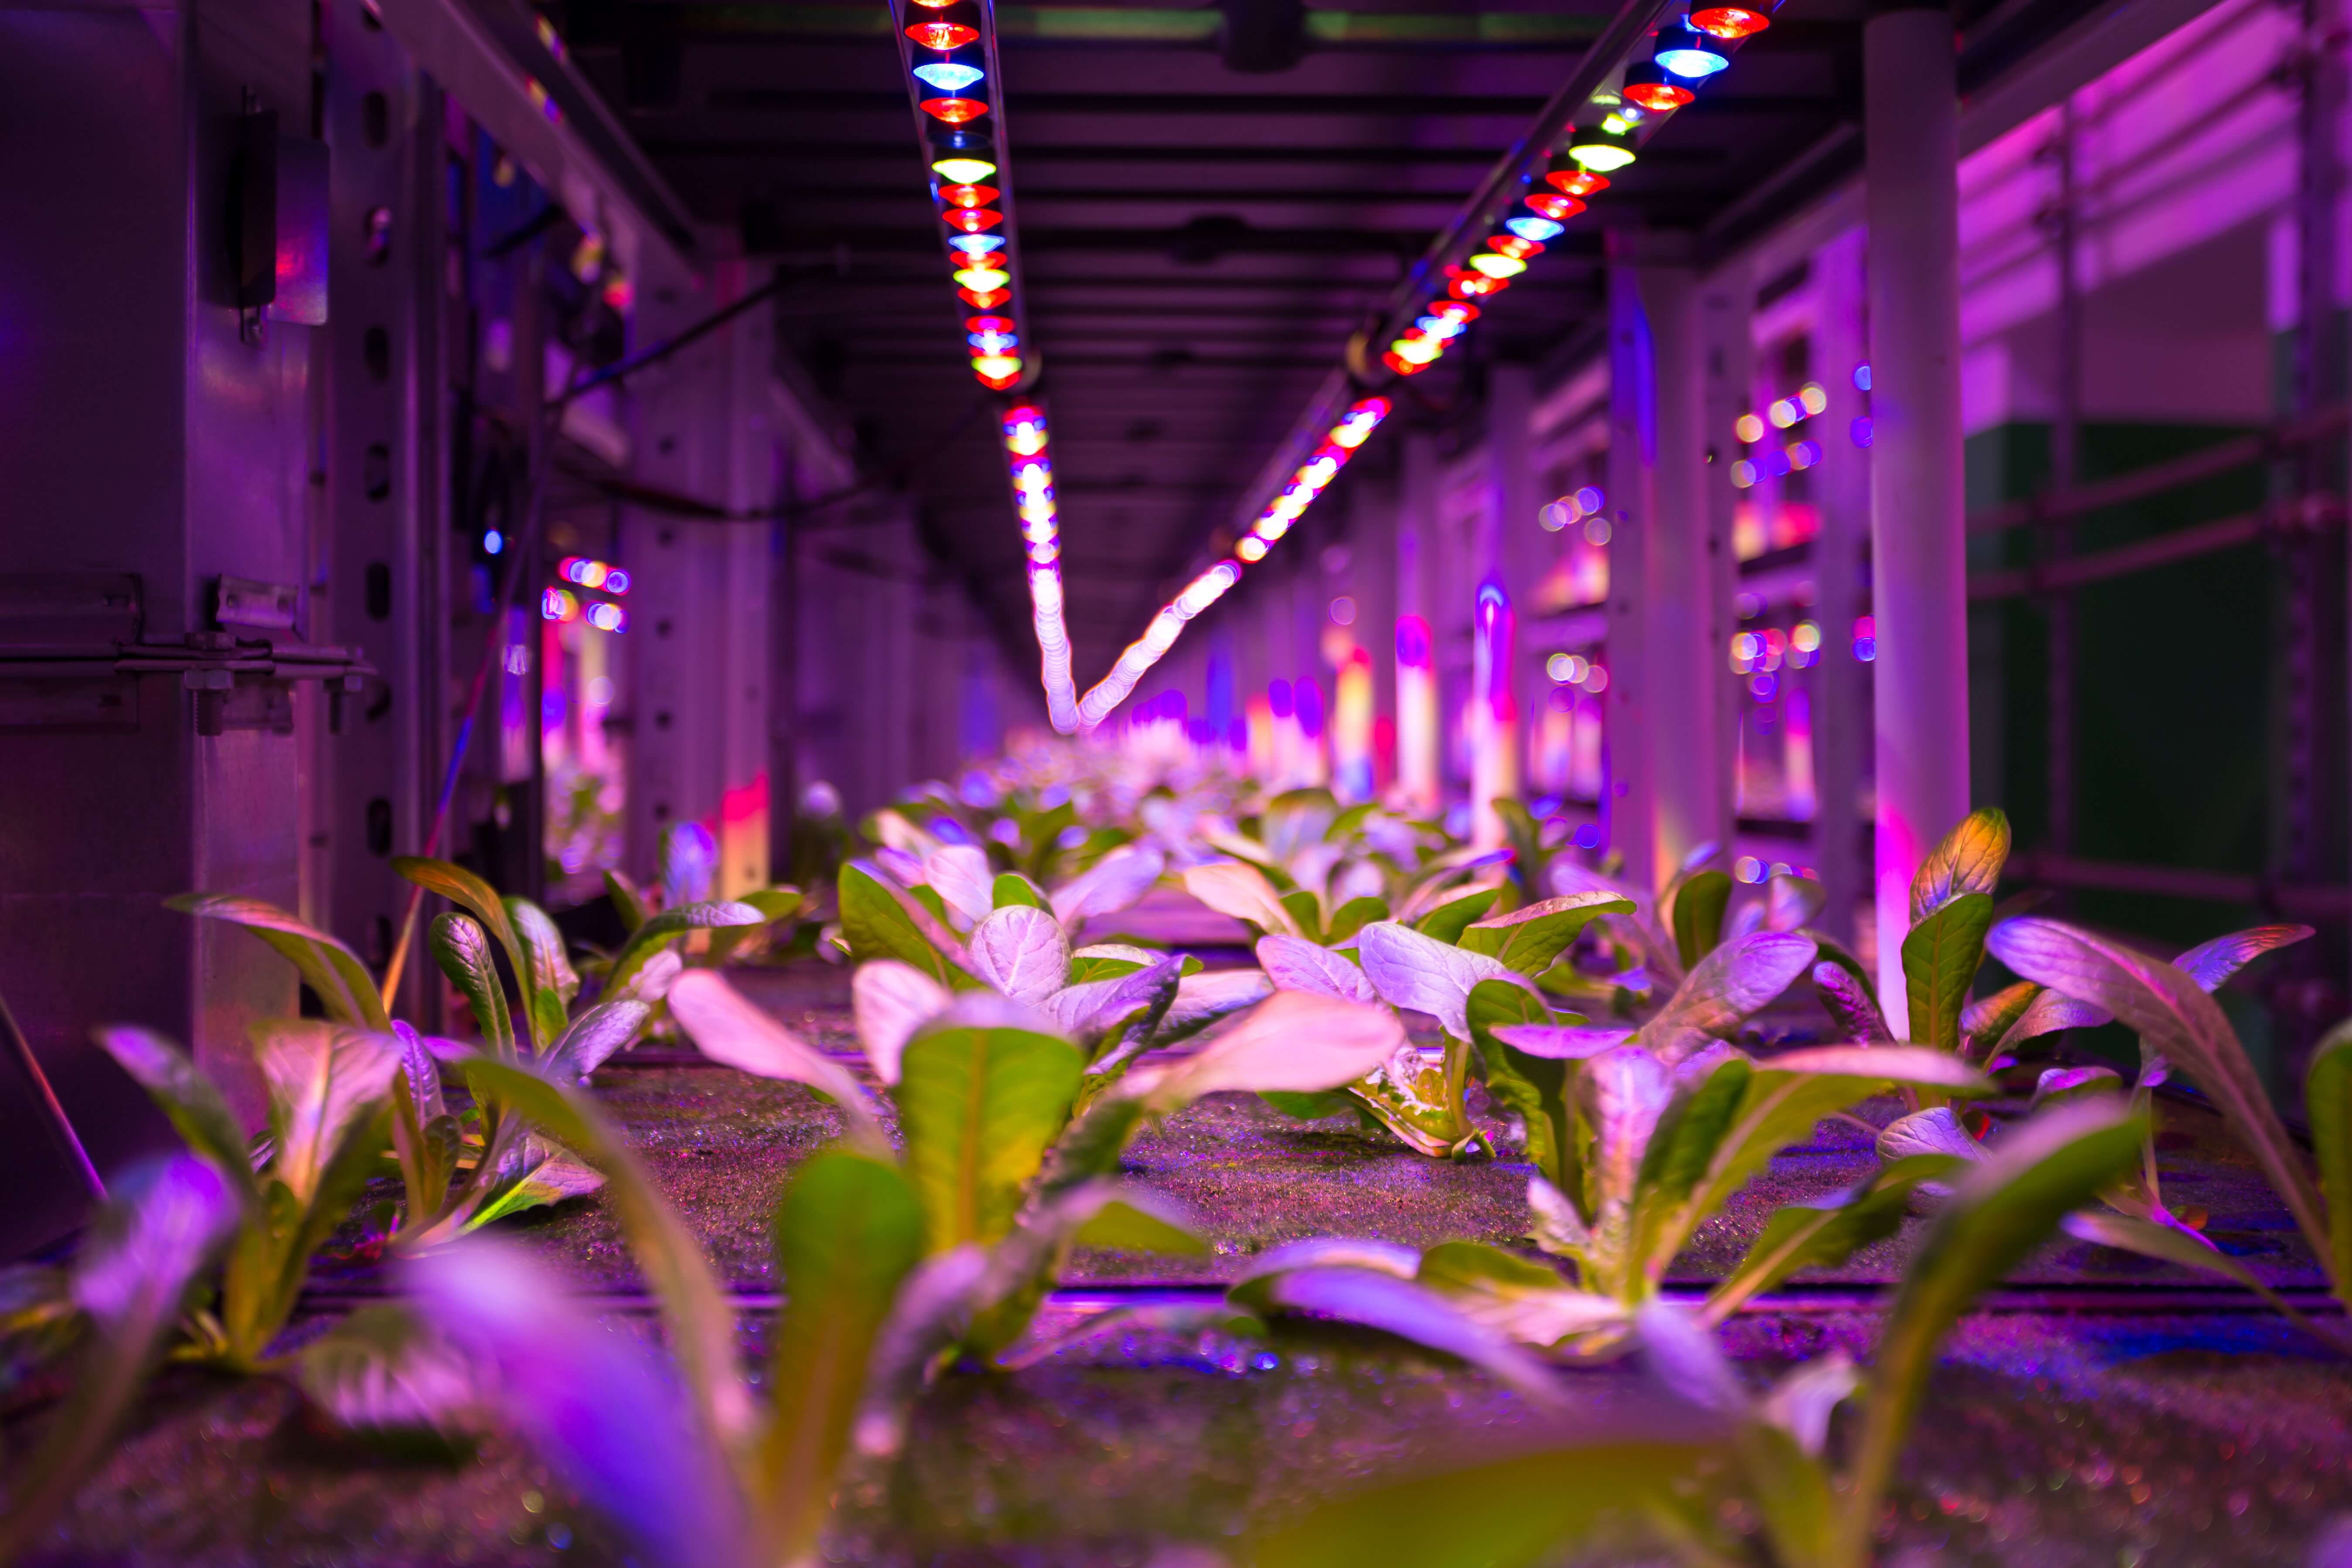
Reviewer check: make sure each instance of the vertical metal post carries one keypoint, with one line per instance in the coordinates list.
(1682, 636)
(1628, 798)
(1918, 568)
(1841, 685)
(1508, 553)
(1417, 740)
(1726, 346)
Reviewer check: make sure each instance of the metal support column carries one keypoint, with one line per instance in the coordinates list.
(1727, 348)
(1919, 569)
(1664, 793)
(1841, 685)
(1415, 654)
(1507, 553)
(1628, 797)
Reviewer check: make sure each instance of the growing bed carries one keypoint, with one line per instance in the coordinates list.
(2102, 1409)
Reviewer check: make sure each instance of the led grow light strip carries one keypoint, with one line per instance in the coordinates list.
(949, 50)
(1313, 478)
(1030, 461)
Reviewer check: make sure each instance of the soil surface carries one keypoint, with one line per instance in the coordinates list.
(2117, 1436)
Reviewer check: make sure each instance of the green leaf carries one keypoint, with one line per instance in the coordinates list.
(1534, 1087)
(1724, 987)
(730, 1028)
(1529, 939)
(1294, 1042)
(1376, 1298)
(1940, 960)
(192, 1100)
(1126, 1227)
(1823, 1233)
(977, 1104)
(327, 1083)
(669, 925)
(774, 904)
(542, 946)
(1849, 1005)
(1021, 952)
(592, 1037)
(627, 902)
(383, 1372)
(701, 1327)
(2327, 1105)
(878, 921)
(1698, 910)
(1012, 887)
(470, 893)
(1505, 1513)
(463, 952)
(1448, 920)
(1306, 910)
(2210, 963)
(1792, 1492)
(540, 1174)
(1241, 891)
(1984, 1022)
(1355, 915)
(847, 1233)
(332, 971)
(158, 1230)
(1968, 861)
(1999, 1212)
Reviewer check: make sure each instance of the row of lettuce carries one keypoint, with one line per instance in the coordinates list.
(1015, 1060)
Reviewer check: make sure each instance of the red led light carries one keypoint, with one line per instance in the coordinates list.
(1560, 209)
(1659, 96)
(1399, 365)
(1512, 246)
(967, 195)
(971, 220)
(988, 324)
(985, 298)
(996, 383)
(935, 5)
(1472, 285)
(1729, 21)
(1575, 182)
(942, 35)
(954, 110)
(1453, 310)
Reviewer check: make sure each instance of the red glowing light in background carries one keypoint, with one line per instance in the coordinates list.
(971, 220)
(954, 110)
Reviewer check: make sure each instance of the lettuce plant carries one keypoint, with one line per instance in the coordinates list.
(460, 1171)
(2171, 1008)
(1113, 1000)
(329, 1090)
(1778, 1450)
(124, 1295)
(893, 1263)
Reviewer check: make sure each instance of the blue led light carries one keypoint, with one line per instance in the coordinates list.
(994, 343)
(1440, 327)
(1689, 53)
(949, 77)
(493, 541)
(976, 244)
(1862, 378)
(1536, 228)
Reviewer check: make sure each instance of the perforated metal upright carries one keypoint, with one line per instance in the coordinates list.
(378, 577)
